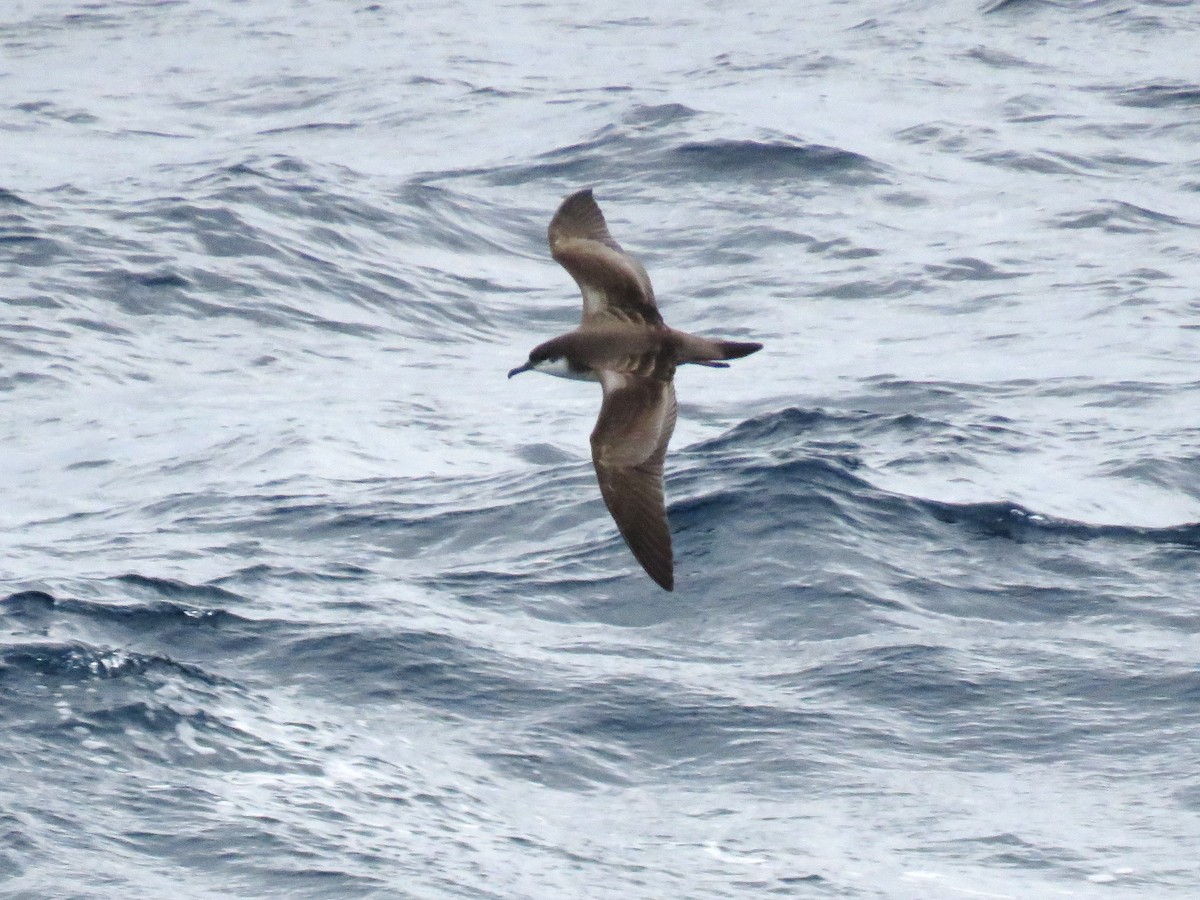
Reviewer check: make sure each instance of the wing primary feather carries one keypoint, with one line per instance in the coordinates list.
(579, 216)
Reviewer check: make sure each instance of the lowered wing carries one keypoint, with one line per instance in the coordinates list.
(629, 444)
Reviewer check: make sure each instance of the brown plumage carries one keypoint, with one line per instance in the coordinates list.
(623, 343)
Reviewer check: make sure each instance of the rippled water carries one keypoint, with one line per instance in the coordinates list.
(302, 597)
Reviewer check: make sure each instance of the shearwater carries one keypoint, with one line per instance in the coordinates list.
(623, 343)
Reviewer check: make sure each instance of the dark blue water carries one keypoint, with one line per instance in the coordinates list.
(302, 598)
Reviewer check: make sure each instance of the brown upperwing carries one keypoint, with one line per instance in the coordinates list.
(612, 282)
(629, 444)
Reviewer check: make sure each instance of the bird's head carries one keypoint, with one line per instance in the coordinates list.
(548, 357)
(538, 358)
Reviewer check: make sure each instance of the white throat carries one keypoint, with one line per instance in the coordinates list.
(559, 369)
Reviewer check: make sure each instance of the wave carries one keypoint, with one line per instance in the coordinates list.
(648, 140)
(184, 628)
(149, 644)
(776, 159)
(273, 241)
(1122, 218)
(777, 451)
(1159, 96)
(78, 661)
(793, 478)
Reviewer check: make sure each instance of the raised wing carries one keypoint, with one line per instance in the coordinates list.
(629, 444)
(613, 283)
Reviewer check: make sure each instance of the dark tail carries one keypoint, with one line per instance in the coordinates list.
(709, 352)
(738, 349)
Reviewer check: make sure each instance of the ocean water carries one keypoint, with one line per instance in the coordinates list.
(301, 597)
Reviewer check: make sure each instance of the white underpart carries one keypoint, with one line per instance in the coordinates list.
(560, 369)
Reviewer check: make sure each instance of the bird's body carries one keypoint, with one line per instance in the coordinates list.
(623, 343)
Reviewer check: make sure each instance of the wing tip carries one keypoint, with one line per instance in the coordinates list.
(661, 571)
(584, 197)
(578, 215)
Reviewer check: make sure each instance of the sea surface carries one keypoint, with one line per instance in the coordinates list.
(301, 597)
